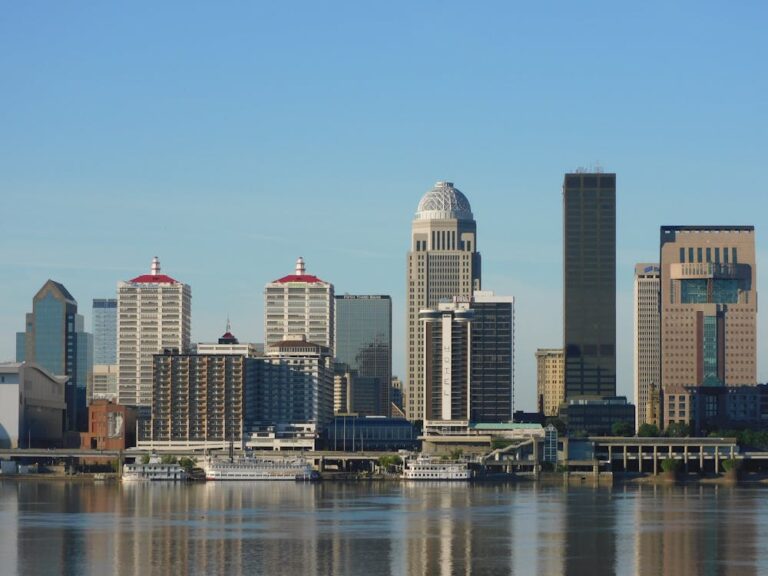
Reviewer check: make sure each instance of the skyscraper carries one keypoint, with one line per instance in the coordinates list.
(104, 326)
(647, 344)
(589, 246)
(364, 344)
(492, 373)
(469, 359)
(104, 320)
(550, 387)
(56, 340)
(299, 304)
(708, 306)
(443, 262)
(154, 312)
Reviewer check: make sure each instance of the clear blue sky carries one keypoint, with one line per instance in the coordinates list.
(229, 138)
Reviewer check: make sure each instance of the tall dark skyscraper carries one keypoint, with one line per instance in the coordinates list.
(364, 344)
(589, 248)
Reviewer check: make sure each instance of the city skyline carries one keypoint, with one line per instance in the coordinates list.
(218, 158)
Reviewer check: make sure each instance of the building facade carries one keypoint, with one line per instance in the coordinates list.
(492, 372)
(708, 306)
(32, 406)
(550, 383)
(469, 359)
(647, 351)
(289, 397)
(104, 324)
(297, 305)
(363, 338)
(197, 400)
(55, 339)
(154, 313)
(589, 247)
(110, 427)
(447, 361)
(443, 262)
(229, 344)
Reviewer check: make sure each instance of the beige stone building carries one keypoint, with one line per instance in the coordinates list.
(708, 306)
(550, 382)
(647, 354)
(443, 262)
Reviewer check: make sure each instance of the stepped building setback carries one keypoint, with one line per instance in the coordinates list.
(443, 263)
(708, 306)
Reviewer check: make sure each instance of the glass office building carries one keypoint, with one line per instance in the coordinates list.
(589, 246)
(55, 339)
(363, 337)
(104, 331)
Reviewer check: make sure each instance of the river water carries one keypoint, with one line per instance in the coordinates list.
(50, 527)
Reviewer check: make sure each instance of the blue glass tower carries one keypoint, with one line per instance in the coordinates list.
(55, 339)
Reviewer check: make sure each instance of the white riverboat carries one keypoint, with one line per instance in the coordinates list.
(435, 469)
(250, 468)
(154, 471)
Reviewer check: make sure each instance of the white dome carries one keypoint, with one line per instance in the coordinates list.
(444, 202)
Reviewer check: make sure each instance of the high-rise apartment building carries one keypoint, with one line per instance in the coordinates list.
(589, 246)
(289, 397)
(550, 383)
(647, 354)
(299, 304)
(708, 306)
(55, 339)
(198, 399)
(443, 262)
(469, 359)
(154, 313)
(364, 344)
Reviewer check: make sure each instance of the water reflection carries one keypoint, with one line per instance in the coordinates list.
(62, 527)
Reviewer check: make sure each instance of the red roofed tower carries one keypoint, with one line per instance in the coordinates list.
(153, 313)
(299, 304)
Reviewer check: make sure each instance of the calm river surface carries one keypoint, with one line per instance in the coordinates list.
(49, 527)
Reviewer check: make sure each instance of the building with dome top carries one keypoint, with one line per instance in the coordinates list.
(443, 263)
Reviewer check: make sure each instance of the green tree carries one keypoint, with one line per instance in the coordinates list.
(677, 430)
(622, 428)
(168, 459)
(187, 463)
(145, 459)
(670, 465)
(648, 431)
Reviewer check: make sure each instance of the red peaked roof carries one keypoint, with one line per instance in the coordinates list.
(298, 278)
(153, 279)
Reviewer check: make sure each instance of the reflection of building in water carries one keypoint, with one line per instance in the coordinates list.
(590, 523)
(9, 529)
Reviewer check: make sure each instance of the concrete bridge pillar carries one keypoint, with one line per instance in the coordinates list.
(655, 460)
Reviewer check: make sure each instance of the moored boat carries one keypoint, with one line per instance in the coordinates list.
(435, 469)
(153, 471)
(251, 468)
